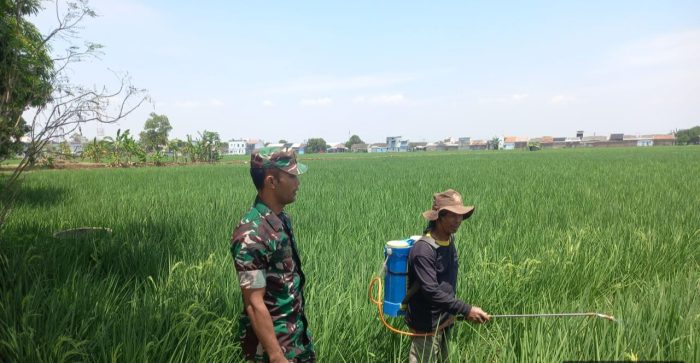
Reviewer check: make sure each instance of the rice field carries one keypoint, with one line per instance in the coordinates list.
(613, 231)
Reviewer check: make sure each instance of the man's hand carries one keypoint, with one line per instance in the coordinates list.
(255, 308)
(476, 315)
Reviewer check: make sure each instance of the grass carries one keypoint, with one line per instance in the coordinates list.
(615, 231)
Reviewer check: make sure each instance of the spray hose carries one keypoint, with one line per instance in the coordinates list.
(377, 300)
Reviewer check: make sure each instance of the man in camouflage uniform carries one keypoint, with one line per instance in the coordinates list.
(273, 325)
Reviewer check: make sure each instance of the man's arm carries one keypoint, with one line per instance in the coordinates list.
(262, 323)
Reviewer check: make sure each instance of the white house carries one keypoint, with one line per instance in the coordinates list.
(253, 144)
(396, 143)
(237, 147)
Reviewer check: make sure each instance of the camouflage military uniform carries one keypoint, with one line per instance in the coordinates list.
(265, 256)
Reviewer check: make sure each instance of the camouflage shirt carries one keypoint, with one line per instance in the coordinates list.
(265, 256)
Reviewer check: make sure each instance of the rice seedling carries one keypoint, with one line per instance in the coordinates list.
(611, 231)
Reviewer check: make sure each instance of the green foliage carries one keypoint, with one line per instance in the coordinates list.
(493, 143)
(95, 150)
(10, 137)
(223, 148)
(158, 158)
(26, 71)
(689, 136)
(206, 148)
(65, 152)
(175, 147)
(32, 81)
(283, 141)
(354, 139)
(315, 145)
(124, 148)
(534, 145)
(155, 132)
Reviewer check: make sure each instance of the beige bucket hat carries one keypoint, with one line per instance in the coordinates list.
(448, 200)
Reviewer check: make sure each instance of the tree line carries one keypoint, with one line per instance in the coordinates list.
(155, 147)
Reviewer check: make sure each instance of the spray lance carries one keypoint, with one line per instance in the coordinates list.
(388, 298)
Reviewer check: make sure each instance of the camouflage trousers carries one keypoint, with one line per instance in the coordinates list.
(429, 349)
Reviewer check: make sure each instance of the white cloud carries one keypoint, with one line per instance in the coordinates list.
(316, 102)
(267, 103)
(386, 99)
(215, 102)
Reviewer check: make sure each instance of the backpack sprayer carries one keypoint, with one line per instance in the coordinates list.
(390, 297)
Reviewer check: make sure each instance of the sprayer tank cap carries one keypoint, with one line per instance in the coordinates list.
(397, 244)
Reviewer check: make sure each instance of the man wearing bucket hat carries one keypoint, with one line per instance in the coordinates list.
(273, 325)
(432, 280)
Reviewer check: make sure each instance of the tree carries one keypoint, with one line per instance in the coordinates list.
(689, 136)
(155, 132)
(223, 147)
(123, 148)
(26, 72)
(209, 146)
(354, 139)
(96, 150)
(175, 146)
(36, 83)
(317, 145)
(283, 141)
(493, 143)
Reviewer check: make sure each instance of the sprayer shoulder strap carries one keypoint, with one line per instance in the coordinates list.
(416, 285)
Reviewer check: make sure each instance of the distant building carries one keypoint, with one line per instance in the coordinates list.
(478, 145)
(417, 146)
(253, 144)
(645, 141)
(664, 140)
(359, 148)
(336, 147)
(396, 144)
(237, 147)
(594, 138)
(377, 148)
(464, 143)
(513, 142)
(298, 148)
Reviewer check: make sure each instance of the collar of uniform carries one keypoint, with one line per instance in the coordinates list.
(267, 214)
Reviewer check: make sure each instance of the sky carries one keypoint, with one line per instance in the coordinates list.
(423, 70)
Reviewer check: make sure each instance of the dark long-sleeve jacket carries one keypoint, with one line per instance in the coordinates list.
(434, 268)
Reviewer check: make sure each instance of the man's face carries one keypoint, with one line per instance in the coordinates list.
(285, 187)
(450, 222)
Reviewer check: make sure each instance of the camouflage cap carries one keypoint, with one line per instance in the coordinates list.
(448, 200)
(267, 158)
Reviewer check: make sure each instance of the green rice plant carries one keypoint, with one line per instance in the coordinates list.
(615, 231)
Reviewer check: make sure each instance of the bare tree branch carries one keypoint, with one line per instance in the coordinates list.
(70, 105)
